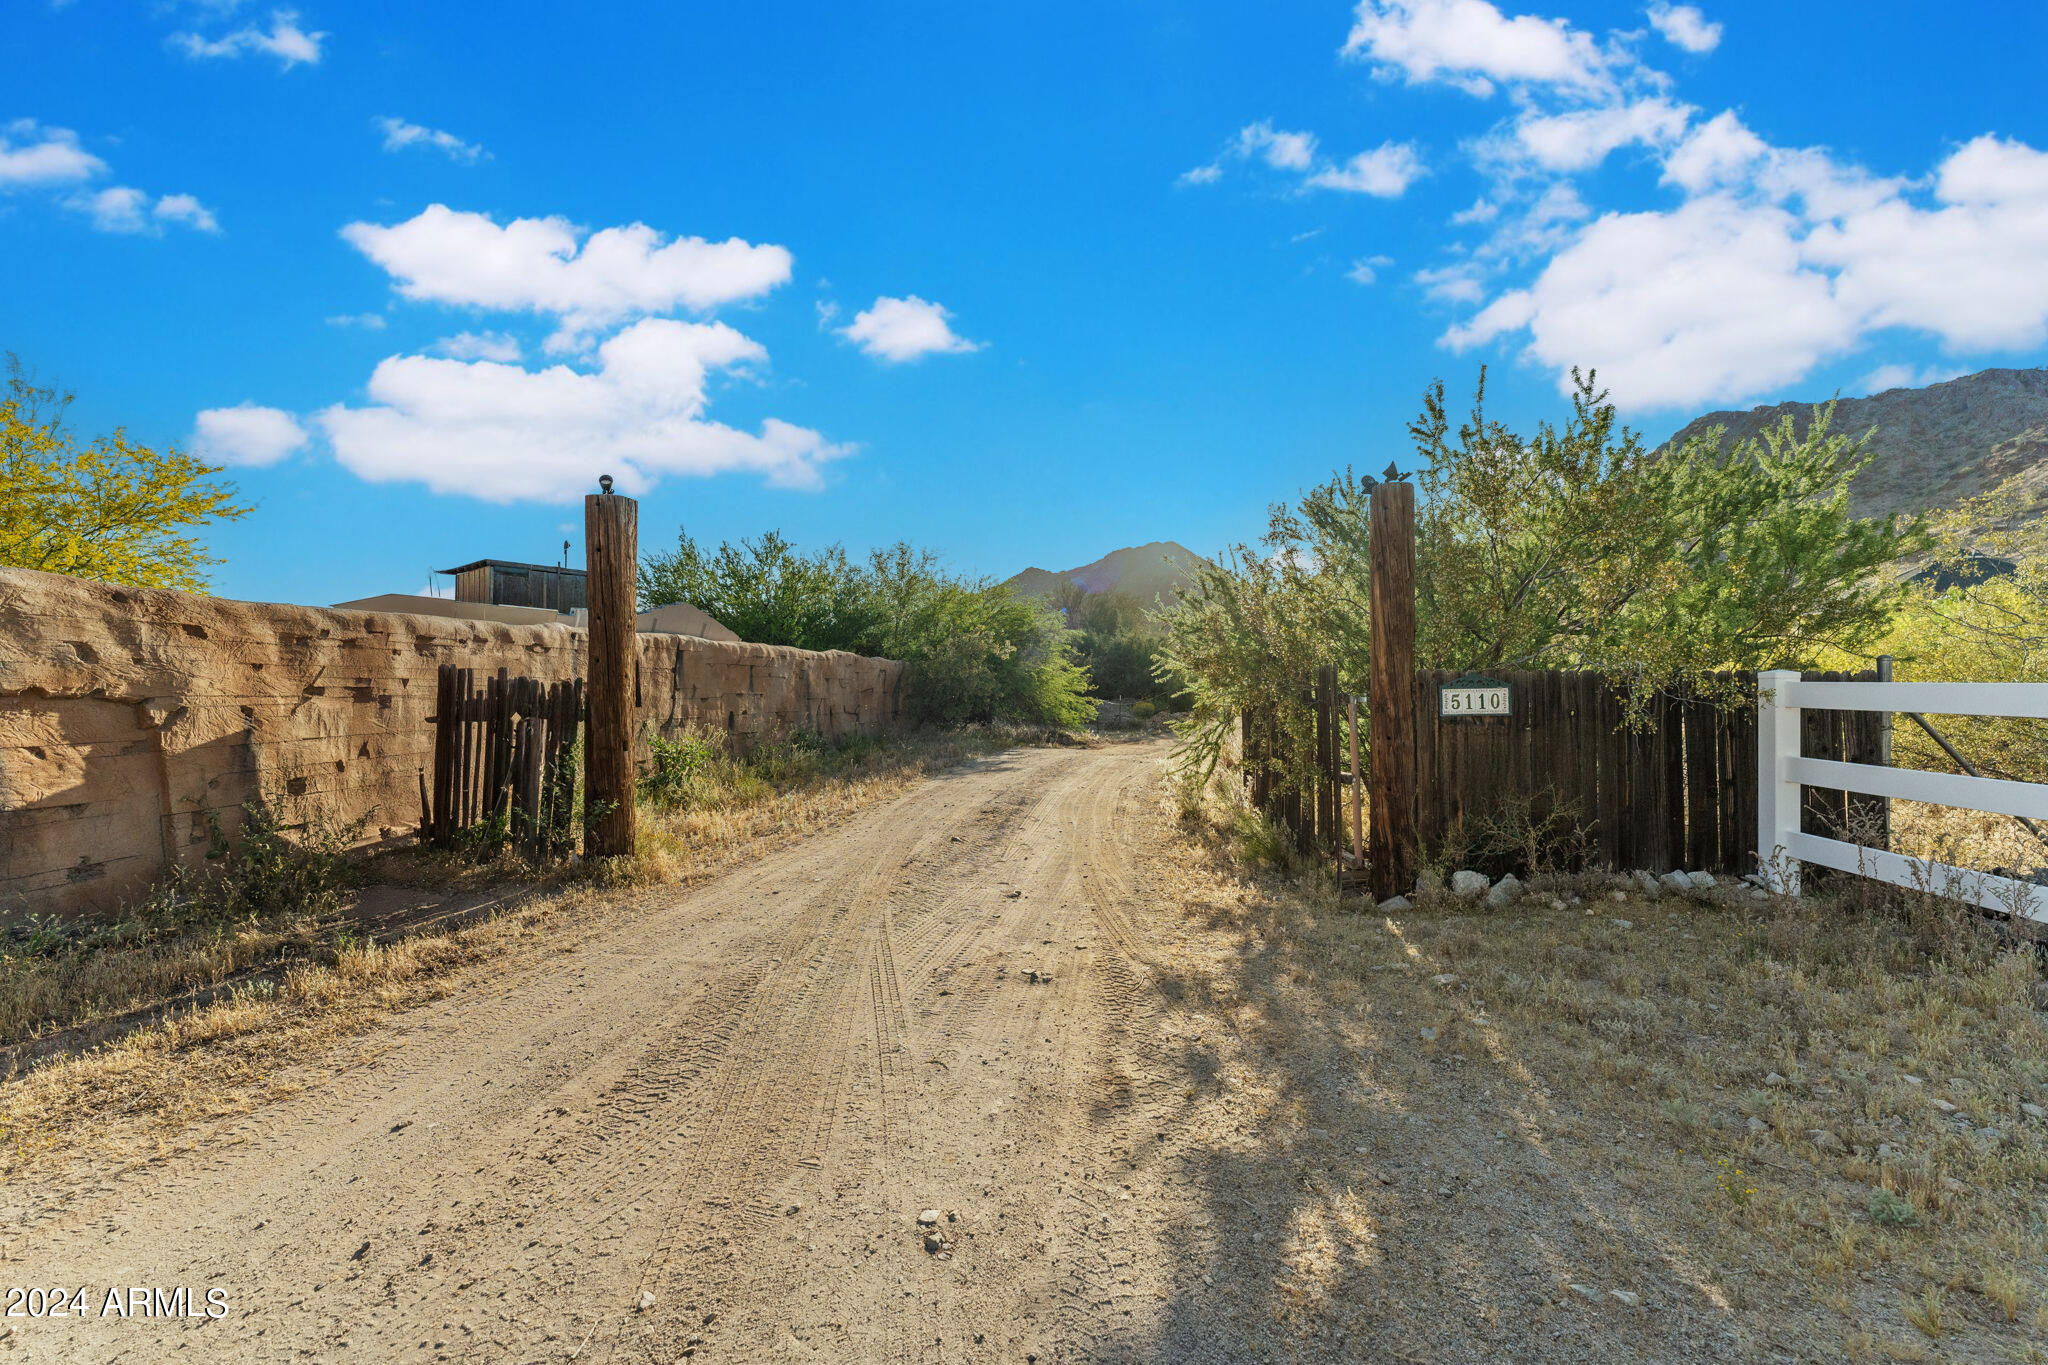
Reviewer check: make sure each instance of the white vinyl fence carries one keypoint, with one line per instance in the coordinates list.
(1782, 770)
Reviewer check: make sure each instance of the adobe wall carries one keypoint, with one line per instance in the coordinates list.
(127, 716)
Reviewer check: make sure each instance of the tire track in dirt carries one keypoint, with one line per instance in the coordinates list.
(734, 1099)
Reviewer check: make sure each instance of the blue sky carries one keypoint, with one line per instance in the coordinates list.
(1019, 286)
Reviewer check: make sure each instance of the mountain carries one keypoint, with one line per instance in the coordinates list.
(1152, 573)
(1934, 446)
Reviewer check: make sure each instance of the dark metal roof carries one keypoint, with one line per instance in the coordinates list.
(508, 564)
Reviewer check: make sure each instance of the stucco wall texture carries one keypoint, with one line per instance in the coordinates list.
(128, 716)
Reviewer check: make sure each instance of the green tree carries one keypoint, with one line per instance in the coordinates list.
(1580, 548)
(976, 653)
(1574, 547)
(111, 509)
(764, 590)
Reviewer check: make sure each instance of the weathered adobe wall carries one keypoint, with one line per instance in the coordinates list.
(129, 716)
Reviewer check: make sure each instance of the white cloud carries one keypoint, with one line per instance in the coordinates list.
(1385, 172)
(183, 208)
(547, 265)
(1904, 377)
(399, 134)
(1470, 44)
(1721, 151)
(33, 155)
(1367, 269)
(899, 330)
(369, 322)
(1278, 148)
(481, 346)
(246, 435)
(1684, 26)
(285, 41)
(504, 433)
(125, 209)
(1973, 272)
(1481, 211)
(1709, 302)
(1535, 227)
(117, 208)
(1781, 259)
(1581, 139)
(1460, 283)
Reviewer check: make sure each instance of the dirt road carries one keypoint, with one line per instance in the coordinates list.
(1157, 1120)
(710, 1131)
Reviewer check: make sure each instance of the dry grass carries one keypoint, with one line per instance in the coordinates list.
(1964, 838)
(1794, 1097)
(322, 978)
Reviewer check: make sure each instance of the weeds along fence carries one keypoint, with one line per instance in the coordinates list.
(1291, 769)
(504, 767)
(1566, 773)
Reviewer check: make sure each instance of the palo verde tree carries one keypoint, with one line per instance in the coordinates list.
(1573, 547)
(109, 509)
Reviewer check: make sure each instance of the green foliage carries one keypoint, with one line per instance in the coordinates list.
(976, 654)
(698, 771)
(766, 592)
(1579, 548)
(273, 868)
(1245, 637)
(111, 510)
(1889, 1210)
(1993, 631)
(676, 768)
(1575, 547)
(1145, 710)
(1119, 642)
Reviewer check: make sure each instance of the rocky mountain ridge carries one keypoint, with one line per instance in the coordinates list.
(1934, 446)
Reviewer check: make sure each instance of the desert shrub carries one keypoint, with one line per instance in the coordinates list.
(1572, 546)
(675, 770)
(274, 870)
(698, 770)
(977, 654)
(1529, 835)
(1145, 709)
(1887, 1209)
(271, 868)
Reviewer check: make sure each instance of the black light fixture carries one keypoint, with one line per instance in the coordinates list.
(604, 481)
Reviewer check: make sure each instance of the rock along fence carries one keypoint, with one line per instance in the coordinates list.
(132, 721)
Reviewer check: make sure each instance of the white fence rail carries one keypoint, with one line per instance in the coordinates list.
(1782, 770)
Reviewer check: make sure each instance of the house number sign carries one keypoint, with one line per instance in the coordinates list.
(1472, 697)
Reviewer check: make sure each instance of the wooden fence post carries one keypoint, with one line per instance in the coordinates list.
(611, 527)
(1392, 698)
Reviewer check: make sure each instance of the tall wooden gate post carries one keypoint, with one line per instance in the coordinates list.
(1391, 702)
(611, 536)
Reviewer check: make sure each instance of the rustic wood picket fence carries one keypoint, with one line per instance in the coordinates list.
(1677, 792)
(502, 763)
